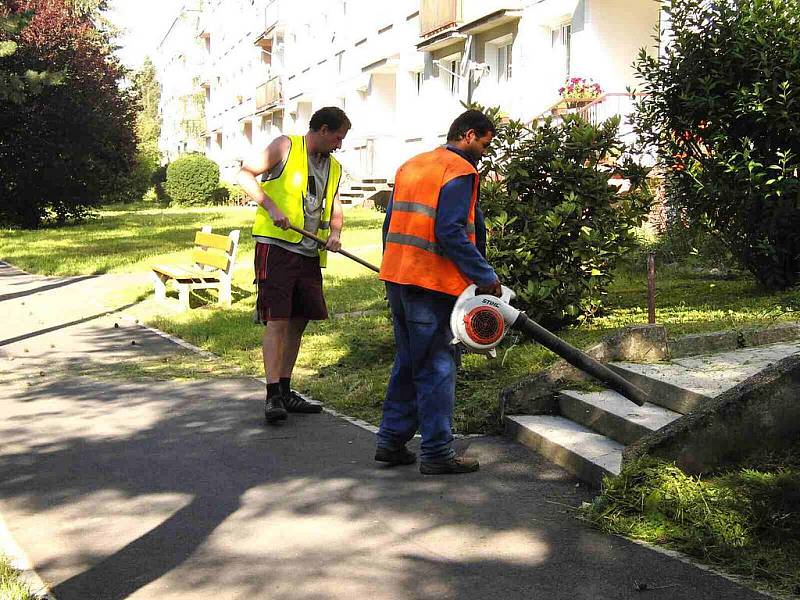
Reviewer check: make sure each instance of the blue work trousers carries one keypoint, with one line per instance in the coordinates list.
(422, 386)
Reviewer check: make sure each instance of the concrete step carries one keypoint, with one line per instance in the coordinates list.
(682, 384)
(589, 436)
(581, 451)
(613, 415)
(663, 389)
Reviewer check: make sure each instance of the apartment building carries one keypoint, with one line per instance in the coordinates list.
(178, 63)
(402, 69)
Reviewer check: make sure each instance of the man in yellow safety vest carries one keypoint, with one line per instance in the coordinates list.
(301, 189)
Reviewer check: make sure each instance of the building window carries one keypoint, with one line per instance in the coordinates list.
(452, 66)
(562, 45)
(504, 62)
(418, 79)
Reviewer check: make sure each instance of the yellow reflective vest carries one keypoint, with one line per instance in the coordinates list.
(288, 191)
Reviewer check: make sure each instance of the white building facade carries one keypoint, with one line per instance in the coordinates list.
(402, 69)
(178, 63)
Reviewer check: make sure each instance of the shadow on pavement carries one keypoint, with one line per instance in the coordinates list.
(181, 488)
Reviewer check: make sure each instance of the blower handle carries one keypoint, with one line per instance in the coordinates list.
(342, 251)
(579, 359)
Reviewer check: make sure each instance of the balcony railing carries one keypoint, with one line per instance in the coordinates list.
(596, 111)
(272, 14)
(437, 15)
(269, 94)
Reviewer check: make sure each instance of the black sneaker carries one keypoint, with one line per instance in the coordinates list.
(274, 410)
(297, 403)
(404, 456)
(451, 466)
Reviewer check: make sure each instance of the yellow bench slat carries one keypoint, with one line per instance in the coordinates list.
(213, 240)
(212, 259)
(179, 273)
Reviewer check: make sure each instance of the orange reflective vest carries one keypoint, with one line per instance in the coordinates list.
(411, 255)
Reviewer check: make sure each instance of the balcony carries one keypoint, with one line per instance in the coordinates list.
(269, 95)
(272, 17)
(447, 22)
(438, 23)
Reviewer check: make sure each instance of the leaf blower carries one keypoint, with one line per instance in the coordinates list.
(480, 322)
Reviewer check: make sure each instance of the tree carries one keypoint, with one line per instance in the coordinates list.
(132, 186)
(17, 85)
(148, 123)
(62, 149)
(722, 112)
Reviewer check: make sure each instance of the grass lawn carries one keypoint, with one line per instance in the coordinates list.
(345, 361)
(11, 587)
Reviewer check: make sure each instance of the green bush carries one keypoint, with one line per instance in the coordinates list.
(231, 193)
(721, 110)
(192, 179)
(556, 226)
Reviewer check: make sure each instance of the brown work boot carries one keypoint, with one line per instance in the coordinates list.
(403, 456)
(451, 466)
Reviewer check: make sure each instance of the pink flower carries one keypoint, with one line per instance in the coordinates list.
(580, 87)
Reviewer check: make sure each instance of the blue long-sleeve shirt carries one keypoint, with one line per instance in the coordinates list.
(450, 228)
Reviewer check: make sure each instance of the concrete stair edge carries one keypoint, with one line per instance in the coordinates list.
(610, 414)
(584, 453)
(661, 392)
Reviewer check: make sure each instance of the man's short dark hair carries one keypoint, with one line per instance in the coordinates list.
(332, 116)
(470, 119)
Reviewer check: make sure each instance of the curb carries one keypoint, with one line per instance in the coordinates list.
(685, 558)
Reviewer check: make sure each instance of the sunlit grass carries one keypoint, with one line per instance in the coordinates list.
(11, 586)
(746, 520)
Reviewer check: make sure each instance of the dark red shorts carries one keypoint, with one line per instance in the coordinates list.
(289, 285)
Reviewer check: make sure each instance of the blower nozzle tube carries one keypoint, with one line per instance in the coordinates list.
(579, 359)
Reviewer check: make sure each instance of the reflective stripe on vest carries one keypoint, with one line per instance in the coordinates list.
(423, 209)
(412, 240)
(412, 255)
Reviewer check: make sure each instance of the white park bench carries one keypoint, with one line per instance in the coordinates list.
(213, 259)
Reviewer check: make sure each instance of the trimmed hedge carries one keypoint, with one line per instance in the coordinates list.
(192, 179)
